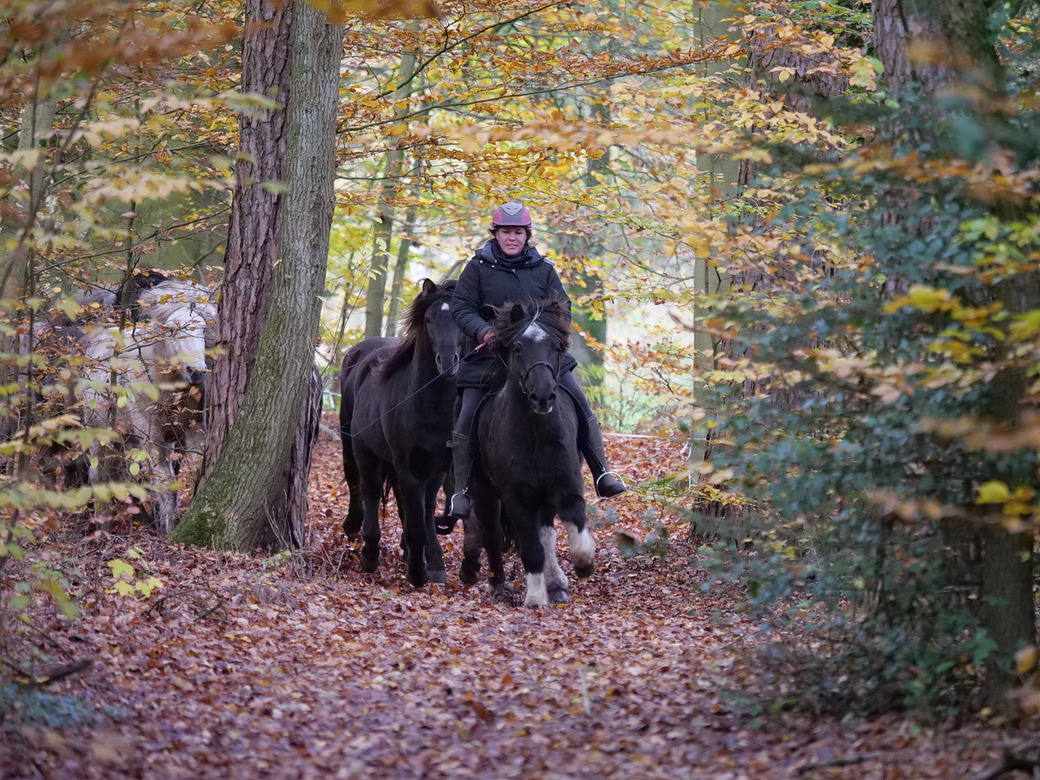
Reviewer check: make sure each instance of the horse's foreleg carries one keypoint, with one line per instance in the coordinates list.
(472, 545)
(556, 583)
(532, 555)
(163, 475)
(371, 489)
(434, 556)
(356, 506)
(580, 541)
(411, 503)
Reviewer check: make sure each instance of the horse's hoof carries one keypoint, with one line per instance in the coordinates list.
(418, 581)
(436, 576)
(369, 563)
(504, 595)
(469, 576)
(559, 596)
(351, 530)
(585, 570)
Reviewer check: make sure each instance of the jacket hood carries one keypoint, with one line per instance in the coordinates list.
(491, 253)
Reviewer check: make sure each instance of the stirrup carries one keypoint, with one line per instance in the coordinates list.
(613, 486)
(459, 506)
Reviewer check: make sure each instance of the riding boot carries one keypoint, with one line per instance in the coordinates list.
(607, 483)
(462, 457)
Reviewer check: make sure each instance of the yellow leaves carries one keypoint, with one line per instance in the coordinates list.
(27, 160)
(125, 583)
(98, 132)
(1025, 660)
(863, 73)
(922, 298)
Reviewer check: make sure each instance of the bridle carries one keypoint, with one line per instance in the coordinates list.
(555, 372)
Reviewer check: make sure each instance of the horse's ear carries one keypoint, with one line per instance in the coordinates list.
(516, 313)
(429, 286)
(487, 311)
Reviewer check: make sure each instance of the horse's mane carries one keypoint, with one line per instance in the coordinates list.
(166, 299)
(551, 314)
(410, 326)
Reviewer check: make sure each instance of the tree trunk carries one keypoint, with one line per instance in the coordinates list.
(255, 493)
(382, 232)
(1006, 596)
(958, 31)
(404, 247)
(384, 223)
(255, 218)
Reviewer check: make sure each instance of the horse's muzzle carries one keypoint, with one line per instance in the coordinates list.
(194, 377)
(542, 405)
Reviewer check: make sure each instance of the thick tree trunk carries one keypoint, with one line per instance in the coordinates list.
(255, 218)
(957, 35)
(255, 494)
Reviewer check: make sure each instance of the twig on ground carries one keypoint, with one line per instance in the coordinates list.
(858, 758)
(160, 603)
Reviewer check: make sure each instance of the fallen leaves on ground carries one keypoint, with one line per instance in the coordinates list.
(302, 666)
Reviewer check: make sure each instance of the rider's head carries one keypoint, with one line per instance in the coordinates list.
(511, 227)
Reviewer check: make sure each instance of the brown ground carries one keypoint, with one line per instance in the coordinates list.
(305, 667)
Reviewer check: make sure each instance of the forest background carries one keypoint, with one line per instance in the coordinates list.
(831, 207)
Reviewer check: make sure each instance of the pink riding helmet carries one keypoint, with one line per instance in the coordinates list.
(511, 215)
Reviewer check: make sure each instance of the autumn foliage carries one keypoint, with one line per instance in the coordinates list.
(805, 298)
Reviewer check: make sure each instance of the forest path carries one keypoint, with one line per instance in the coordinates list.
(305, 667)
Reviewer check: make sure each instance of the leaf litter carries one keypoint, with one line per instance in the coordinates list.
(301, 666)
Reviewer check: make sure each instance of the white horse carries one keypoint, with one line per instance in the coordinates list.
(146, 383)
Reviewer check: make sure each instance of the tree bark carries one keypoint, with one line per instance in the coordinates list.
(255, 492)
(404, 247)
(255, 218)
(384, 222)
(956, 35)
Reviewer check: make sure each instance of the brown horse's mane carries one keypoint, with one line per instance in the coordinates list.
(411, 326)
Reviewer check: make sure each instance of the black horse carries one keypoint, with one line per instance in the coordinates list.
(528, 464)
(396, 421)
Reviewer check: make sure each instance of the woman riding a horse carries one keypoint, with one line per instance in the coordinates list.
(508, 268)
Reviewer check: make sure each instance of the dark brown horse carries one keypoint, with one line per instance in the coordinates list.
(395, 421)
(528, 465)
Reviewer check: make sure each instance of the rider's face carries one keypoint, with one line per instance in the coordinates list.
(511, 240)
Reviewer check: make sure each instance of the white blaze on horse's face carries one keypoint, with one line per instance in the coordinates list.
(445, 338)
(535, 333)
(538, 366)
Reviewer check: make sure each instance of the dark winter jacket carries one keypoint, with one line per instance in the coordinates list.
(490, 278)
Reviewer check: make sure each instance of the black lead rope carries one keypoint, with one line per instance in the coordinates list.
(410, 397)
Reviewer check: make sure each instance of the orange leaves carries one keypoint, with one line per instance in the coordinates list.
(339, 11)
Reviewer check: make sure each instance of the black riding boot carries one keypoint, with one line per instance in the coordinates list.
(462, 457)
(607, 482)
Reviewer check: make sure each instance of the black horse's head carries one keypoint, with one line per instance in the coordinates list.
(427, 324)
(532, 339)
